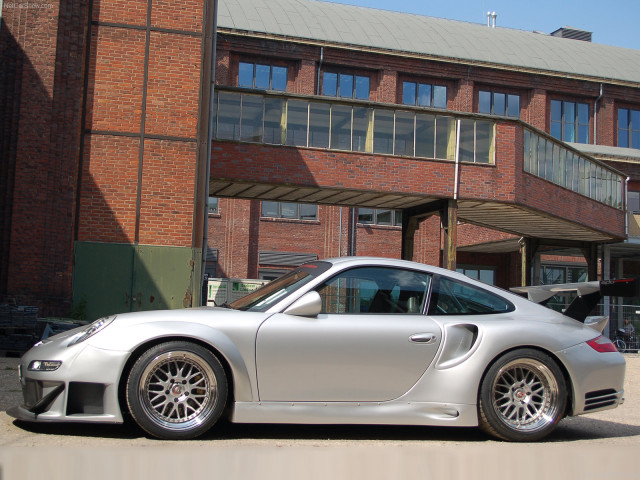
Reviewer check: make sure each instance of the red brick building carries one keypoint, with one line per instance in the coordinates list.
(336, 130)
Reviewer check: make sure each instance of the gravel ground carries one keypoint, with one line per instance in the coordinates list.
(597, 446)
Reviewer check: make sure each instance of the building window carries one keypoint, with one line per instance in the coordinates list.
(570, 121)
(295, 211)
(249, 117)
(484, 274)
(496, 103)
(263, 77)
(270, 274)
(345, 85)
(379, 216)
(212, 206)
(424, 94)
(628, 128)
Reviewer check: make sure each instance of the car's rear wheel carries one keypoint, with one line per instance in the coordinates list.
(522, 396)
(176, 390)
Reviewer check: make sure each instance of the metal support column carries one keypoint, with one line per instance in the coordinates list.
(449, 220)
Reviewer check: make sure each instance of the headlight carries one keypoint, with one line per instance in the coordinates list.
(43, 366)
(91, 330)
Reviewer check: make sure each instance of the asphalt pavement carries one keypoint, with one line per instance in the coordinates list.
(601, 445)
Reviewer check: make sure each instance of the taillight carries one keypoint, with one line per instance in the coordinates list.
(602, 344)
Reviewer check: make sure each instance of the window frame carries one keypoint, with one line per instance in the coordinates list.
(280, 215)
(432, 94)
(507, 101)
(341, 76)
(271, 66)
(563, 122)
(396, 217)
(630, 129)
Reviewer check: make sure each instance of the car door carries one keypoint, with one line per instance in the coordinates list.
(371, 342)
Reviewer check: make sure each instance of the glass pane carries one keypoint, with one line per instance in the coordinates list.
(484, 102)
(583, 113)
(212, 205)
(346, 85)
(362, 88)
(446, 138)
(556, 111)
(404, 133)
(341, 127)
(383, 217)
(251, 121)
(635, 120)
(635, 139)
(534, 153)
(456, 298)
(487, 276)
(228, 116)
(330, 84)
(484, 142)
(623, 138)
(569, 133)
(279, 78)
(527, 150)
(556, 130)
(319, 125)
(270, 209)
(273, 128)
(583, 134)
(297, 123)
(289, 210)
(308, 212)
(245, 75)
(362, 129)
(263, 72)
(397, 220)
(408, 93)
(467, 136)
(365, 215)
(424, 95)
(439, 96)
(569, 121)
(542, 156)
(383, 131)
(548, 173)
(623, 118)
(425, 135)
(499, 103)
(513, 106)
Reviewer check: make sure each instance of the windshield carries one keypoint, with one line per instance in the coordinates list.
(263, 298)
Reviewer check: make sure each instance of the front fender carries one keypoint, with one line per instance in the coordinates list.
(238, 352)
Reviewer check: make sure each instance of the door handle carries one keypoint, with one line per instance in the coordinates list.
(426, 338)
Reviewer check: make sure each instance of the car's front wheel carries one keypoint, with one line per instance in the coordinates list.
(176, 390)
(522, 396)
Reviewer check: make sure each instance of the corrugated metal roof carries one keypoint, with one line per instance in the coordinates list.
(421, 35)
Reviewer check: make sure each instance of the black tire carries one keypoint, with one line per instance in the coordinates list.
(176, 390)
(522, 396)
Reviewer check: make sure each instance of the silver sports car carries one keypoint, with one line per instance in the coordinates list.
(342, 341)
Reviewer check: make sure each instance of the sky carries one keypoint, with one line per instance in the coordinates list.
(612, 22)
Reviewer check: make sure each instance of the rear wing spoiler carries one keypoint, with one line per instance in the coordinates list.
(589, 294)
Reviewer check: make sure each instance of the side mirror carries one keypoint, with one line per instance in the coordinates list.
(308, 305)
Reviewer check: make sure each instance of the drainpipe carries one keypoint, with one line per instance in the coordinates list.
(319, 69)
(457, 173)
(626, 206)
(595, 117)
(205, 233)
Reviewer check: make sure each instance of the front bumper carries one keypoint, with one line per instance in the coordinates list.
(83, 389)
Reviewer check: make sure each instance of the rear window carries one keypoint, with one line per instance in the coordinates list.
(452, 297)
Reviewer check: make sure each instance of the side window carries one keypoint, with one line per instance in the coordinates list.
(375, 290)
(451, 297)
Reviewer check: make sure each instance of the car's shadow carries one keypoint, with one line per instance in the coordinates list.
(570, 430)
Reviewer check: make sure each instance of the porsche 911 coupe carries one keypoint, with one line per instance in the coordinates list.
(350, 340)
